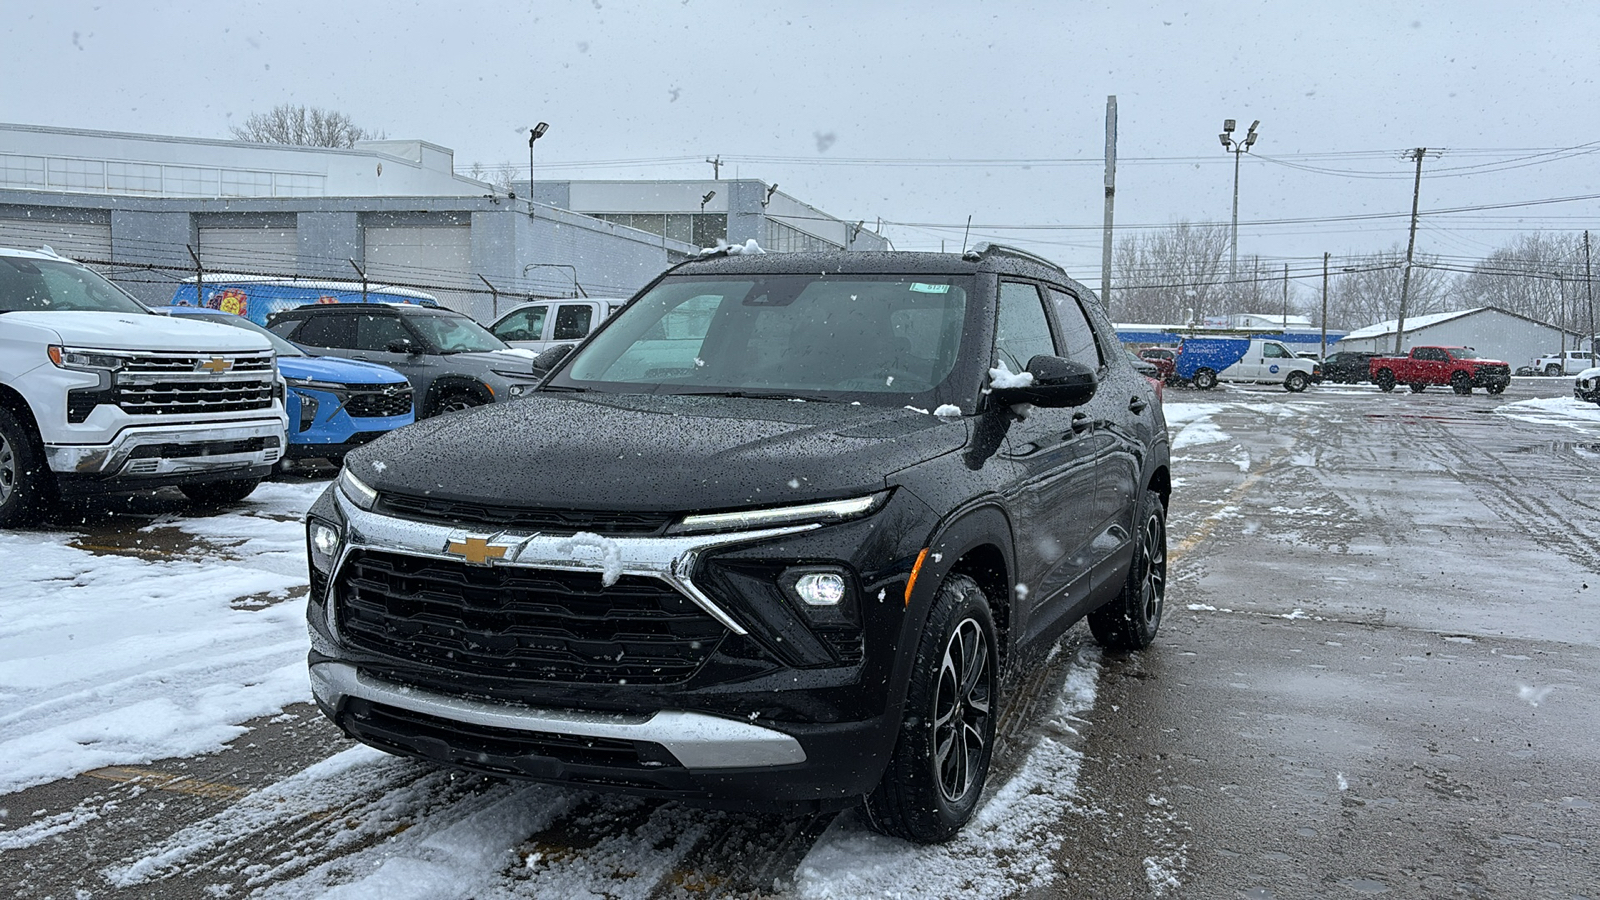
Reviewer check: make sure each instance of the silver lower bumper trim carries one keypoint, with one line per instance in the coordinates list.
(696, 740)
(113, 458)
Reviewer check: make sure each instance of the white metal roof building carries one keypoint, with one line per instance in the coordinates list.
(1492, 331)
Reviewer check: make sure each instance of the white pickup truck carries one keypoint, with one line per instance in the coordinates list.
(98, 394)
(1569, 362)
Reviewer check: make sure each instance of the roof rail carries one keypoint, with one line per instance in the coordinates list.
(979, 251)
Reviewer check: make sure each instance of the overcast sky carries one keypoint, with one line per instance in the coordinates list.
(846, 104)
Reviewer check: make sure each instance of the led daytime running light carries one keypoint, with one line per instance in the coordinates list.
(831, 511)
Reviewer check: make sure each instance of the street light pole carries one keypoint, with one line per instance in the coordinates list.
(534, 134)
(1237, 148)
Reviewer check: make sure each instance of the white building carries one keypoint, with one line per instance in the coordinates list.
(1492, 331)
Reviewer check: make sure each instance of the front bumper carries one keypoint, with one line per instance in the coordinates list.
(173, 452)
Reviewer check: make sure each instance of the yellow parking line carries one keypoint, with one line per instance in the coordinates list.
(1204, 531)
(161, 781)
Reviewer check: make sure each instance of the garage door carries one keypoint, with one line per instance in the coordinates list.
(250, 249)
(436, 259)
(81, 240)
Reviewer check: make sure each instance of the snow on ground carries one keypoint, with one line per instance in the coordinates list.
(1191, 425)
(114, 659)
(1568, 411)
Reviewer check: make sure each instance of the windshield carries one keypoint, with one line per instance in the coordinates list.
(455, 334)
(43, 284)
(283, 347)
(881, 338)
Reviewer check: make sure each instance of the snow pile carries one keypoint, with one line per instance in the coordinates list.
(118, 660)
(948, 411)
(1002, 377)
(748, 248)
(1568, 411)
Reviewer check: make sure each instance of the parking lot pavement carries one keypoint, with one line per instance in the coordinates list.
(1377, 674)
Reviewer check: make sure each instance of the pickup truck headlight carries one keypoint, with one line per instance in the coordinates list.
(92, 360)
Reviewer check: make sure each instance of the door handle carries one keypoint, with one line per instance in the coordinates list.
(1137, 404)
(1080, 423)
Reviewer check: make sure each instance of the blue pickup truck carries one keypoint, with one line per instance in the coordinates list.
(1204, 361)
(334, 405)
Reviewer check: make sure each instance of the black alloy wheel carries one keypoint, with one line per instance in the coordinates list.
(1552, 370)
(1384, 380)
(455, 401)
(1205, 379)
(1131, 620)
(1417, 387)
(1461, 383)
(941, 758)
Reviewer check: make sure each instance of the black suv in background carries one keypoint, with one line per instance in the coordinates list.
(1347, 367)
(451, 361)
(771, 537)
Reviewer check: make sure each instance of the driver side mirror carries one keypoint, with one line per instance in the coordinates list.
(1057, 383)
(401, 345)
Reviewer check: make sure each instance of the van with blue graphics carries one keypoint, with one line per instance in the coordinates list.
(1204, 361)
(256, 297)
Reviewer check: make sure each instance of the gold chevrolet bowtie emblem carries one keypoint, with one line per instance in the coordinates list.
(216, 365)
(475, 550)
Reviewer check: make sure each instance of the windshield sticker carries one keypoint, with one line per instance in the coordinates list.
(930, 288)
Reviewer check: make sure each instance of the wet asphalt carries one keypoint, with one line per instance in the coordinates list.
(1376, 677)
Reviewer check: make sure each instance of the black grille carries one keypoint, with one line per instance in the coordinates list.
(193, 396)
(548, 521)
(402, 726)
(375, 400)
(202, 448)
(511, 622)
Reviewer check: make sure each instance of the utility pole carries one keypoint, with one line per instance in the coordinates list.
(716, 167)
(1411, 244)
(1324, 305)
(1111, 196)
(1588, 286)
(199, 278)
(1285, 299)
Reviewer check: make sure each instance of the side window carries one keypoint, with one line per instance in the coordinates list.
(375, 332)
(572, 321)
(523, 325)
(328, 331)
(1077, 336)
(1022, 331)
(1274, 351)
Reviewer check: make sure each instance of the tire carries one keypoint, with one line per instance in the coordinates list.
(26, 483)
(1296, 382)
(1417, 387)
(219, 493)
(454, 400)
(1384, 380)
(1205, 379)
(927, 794)
(1461, 383)
(1131, 620)
(1552, 370)
(1498, 388)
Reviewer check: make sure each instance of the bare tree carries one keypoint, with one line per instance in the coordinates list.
(1368, 290)
(1171, 275)
(1538, 275)
(303, 126)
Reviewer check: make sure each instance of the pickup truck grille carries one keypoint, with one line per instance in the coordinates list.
(547, 521)
(187, 383)
(378, 400)
(514, 622)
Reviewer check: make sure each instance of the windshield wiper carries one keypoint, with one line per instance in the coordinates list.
(756, 395)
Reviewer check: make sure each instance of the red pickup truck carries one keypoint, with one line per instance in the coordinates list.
(1459, 367)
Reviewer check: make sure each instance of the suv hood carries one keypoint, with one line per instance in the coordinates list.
(644, 452)
(334, 370)
(132, 331)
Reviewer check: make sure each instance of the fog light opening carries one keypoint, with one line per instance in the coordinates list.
(325, 539)
(820, 588)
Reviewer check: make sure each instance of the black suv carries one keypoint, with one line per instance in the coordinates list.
(770, 537)
(451, 361)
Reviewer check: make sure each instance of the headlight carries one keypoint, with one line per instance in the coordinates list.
(831, 511)
(99, 360)
(356, 490)
(311, 384)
